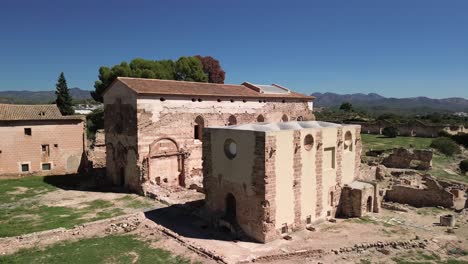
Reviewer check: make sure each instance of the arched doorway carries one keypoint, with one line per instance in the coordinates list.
(166, 163)
(369, 204)
(231, 212)
(284, 118)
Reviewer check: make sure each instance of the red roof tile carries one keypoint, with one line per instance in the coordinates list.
(178, 88)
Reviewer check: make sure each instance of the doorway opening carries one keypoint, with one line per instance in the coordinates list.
(369, 204)
(122, 177)
(230, 208)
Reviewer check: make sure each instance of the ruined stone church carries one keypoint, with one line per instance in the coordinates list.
(154, 128)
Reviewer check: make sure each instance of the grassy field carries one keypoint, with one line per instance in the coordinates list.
(378, 142)
(110, 249)
(23, 208)
(442, 165)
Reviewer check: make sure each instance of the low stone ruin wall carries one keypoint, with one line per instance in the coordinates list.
(404, 159)
(431, 196)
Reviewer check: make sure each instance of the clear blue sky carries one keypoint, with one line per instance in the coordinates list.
(395, 48)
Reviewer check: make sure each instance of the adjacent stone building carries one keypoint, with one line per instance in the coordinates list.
(269, 179)
(38, 139)
(154, 128)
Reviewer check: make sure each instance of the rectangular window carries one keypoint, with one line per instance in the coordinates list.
(45, 150)
(27, 131)
(329, 158)
(46, 166)
(25, 167)
(196, 132)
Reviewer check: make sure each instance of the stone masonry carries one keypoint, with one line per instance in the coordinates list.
(260, 178)
(154, 128)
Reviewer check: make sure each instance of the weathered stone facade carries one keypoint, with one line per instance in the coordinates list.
(154, 128)
(281, 176)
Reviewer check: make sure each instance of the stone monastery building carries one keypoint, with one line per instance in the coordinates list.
(38, 139)
(273, 178)
(154, 128)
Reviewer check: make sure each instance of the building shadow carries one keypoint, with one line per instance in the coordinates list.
(82, 182)
(183, 220)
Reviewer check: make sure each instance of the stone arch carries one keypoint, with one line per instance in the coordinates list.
(166, 163)
(232, 120)
(260, 118)
(284, 118)
(198, 128)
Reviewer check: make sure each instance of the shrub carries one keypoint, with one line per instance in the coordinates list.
(390, 132)
(461, 139)
(446, 146)
(464, 166)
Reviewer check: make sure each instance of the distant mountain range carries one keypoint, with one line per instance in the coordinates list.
(39, 97)
(377, 103)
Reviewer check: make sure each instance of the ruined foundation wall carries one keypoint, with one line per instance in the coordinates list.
(431, 196)
(65, 140)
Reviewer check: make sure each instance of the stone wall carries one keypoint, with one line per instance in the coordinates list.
(405, 159)
(120, 125)
(60, 143)
(432, 194)
(175, 119)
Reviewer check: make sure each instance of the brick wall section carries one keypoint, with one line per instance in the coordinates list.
(358, 149)
(297, 164)
(339, 155)
(270, 188)
(318, 173)
(65, 140)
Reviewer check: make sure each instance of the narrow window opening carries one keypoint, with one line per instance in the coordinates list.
(198, 128)
(45, 150)
(27, 131)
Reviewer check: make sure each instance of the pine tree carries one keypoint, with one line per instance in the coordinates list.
(64, 100)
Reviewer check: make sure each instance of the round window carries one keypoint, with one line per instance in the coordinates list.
(308, 142)
(230, 148)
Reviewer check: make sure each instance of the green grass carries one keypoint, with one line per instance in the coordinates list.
(35, 185)
(378, 142)
(111, 249)
(421, 257)
(33, 217)
(22, 212)
(135, 202)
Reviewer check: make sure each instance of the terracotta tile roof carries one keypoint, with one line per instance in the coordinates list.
(170, 87)
(12, 112)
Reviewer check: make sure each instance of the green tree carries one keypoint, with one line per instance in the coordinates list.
(390, 132)
(190, 69)
(64, 100)
(185, 69)
(346, 106)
